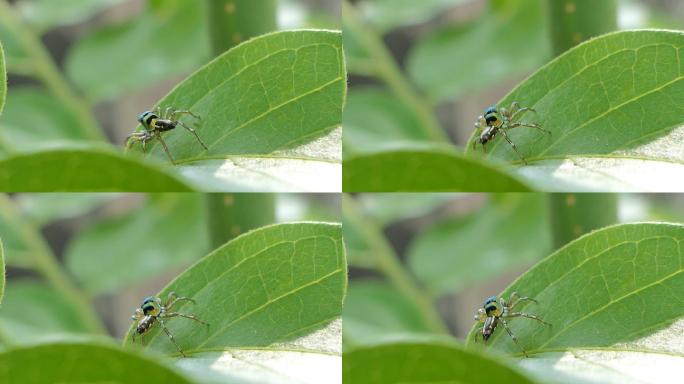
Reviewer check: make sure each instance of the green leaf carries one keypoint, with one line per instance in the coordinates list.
(418, 170)
(83, 169)
(155, 45)
(373, 117)
(261, 293)
(3, 79)
(376, 312)
(507, 40)
(383, 206)
(608, 296)
(614, 106)
(34, 311)
(33, 117)
(47, 14)
(82, 362)
(269, 108)
(178, 221)
(458, 252)
(419, 363)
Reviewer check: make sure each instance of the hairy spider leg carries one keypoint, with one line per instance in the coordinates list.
(168, 333)
(505, 135)
(166, 148)
(194, 133)
(515, 339)
(527, 315)
(191, 317)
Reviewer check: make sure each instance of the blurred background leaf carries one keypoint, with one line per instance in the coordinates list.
(164, 232)
(34, 118)
(46, 14)
(507, 40)
(510, 231)
(33, 312)
(165, 40)
(437, 362)
(55, 360)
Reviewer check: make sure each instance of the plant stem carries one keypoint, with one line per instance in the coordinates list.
(387, 262)
(233, 214)
(388, 71)
(234, 21)
(45, 69)
(45, 263)
(575, 214)
(573, 21)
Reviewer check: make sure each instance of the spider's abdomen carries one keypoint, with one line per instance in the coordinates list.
(145, 324)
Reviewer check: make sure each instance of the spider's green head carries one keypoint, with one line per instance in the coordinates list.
(151, 306)
(492, 117)
(492, 307)
(147, 119)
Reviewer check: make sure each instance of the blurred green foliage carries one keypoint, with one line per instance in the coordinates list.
(453, 250)
(69, 253)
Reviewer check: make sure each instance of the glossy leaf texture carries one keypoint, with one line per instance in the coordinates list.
(269, 111)
(507, 40)
(615, 109)
(611, 297)
(178, 219)
(166, 39)
(82, 362)
(423, 170)
(272, 297)
(436, 362)
(511, 230)
(76, 168)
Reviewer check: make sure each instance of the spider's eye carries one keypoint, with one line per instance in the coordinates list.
(490, 110)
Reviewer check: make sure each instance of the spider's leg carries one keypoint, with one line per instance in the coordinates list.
(173, 299)
(166, 148)
(515, 339)
(529, 125)
(191, 317)
(527, 315)
(186, 112)
(166, 330)
(516, 299)
(168, 113)
(194, 133)
(505, 135)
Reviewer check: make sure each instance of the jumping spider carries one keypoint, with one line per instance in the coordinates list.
(495, 121)
(495, 311)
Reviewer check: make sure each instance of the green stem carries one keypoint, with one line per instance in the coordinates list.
(388, 71)
(234, 21)
(44, 68)
(575, 214)
(387, 262)
(573, 21)
(233, 214)
(45, 263)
